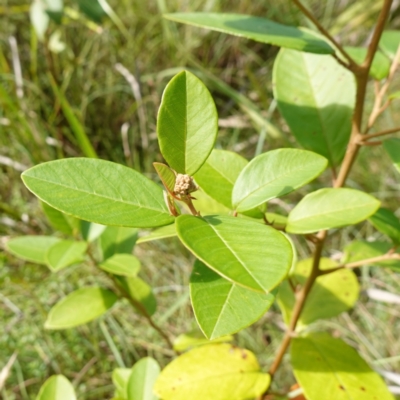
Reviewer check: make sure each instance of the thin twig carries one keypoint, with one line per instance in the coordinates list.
(378, 134)
(311, 17)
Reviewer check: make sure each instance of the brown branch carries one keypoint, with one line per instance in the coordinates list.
(380, 93)
(311, 17)
(356, 264)
(378, 134)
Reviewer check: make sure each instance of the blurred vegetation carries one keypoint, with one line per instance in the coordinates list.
(82, 91)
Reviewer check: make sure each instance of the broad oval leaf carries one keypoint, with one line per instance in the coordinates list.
(330, 208)
(121, 264)
(187, 123)
(31, 248)
(219, 173)
(159, 233)
(141, 294)
(222, 307)
(386, 222)
(60, 221)
(65, 253)
(91, 231)
(329, 369)
(389, 42)
(79, 307)
(217, 371)
(117, 240)
(120, 378)
(247, 253)
(57, 387)
(316, 97)
(141, 381)
(330, 295)
(92, 9)
(363, 250)
(380, 65)
(256, 28)
(99, 191)
(392, 147)
(274, 174)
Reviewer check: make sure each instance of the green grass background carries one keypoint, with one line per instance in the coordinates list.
(34, 128)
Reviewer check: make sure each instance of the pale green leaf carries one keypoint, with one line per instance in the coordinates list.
(362, 250)
(79, 307)
(276, 220)
(187, 123)
(166, 175)
(92, 9)
(217, 372)
(392, 147)
(316, 97)
(90, 231)
(274, 174)
(330, 295)
(330, 208)
(247, 253)
(57, 387)
(159, 233)
(196, 338)
(256, 28)
(65, 253)
(141, 294)
(142, 379)
(120, 377)
(54, 9)
(329, 369)
(380, 65)
(394, 95)
(117, 240)
(39, 18)
(222, 307)
(31, 248)
(58, 220)
(389, 42)
(207, 205)
(121, 264)
(386, 222)
(218, 175)
(99, 191)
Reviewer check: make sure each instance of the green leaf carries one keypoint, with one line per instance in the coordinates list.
(362, 250)
(55, 10)
(166, 175)
(256, 28)
(31, 248)
(117, 240)
(331, 294)
(91, 231)
(389, 42)
(121, 264)
(196, 338)
(330, 208)
(159, 233)
(217, 372)
(120, 377)
(218, 175)
(99, 191)
(92, 9)
(187, 123)
(247, 253)
(207, 205)
(142, 379)
(276, 220)
(316, 97)
(392, 147)
(39, 18)
(58, 220)
(57, 387)
(394, 95)
(380, 65)
(329, 369)
(386, 222)
(274, 174)
(79, 307)
(141, 294)
(222, 307)
(65, 253)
